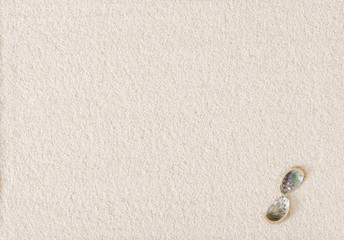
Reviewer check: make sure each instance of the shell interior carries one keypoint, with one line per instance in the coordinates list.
(292, 180)
(278, 210)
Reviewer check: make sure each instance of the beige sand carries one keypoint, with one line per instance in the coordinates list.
(170, 119)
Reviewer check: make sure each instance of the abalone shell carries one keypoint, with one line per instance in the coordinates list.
(292, 180)
(278, 210)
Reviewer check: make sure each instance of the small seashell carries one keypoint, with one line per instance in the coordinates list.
(278, 210)
(292, 180)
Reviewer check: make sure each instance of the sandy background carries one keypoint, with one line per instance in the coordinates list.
(170, 119)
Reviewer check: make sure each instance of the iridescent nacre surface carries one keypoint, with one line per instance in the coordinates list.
(278, 210)
(292, 180)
